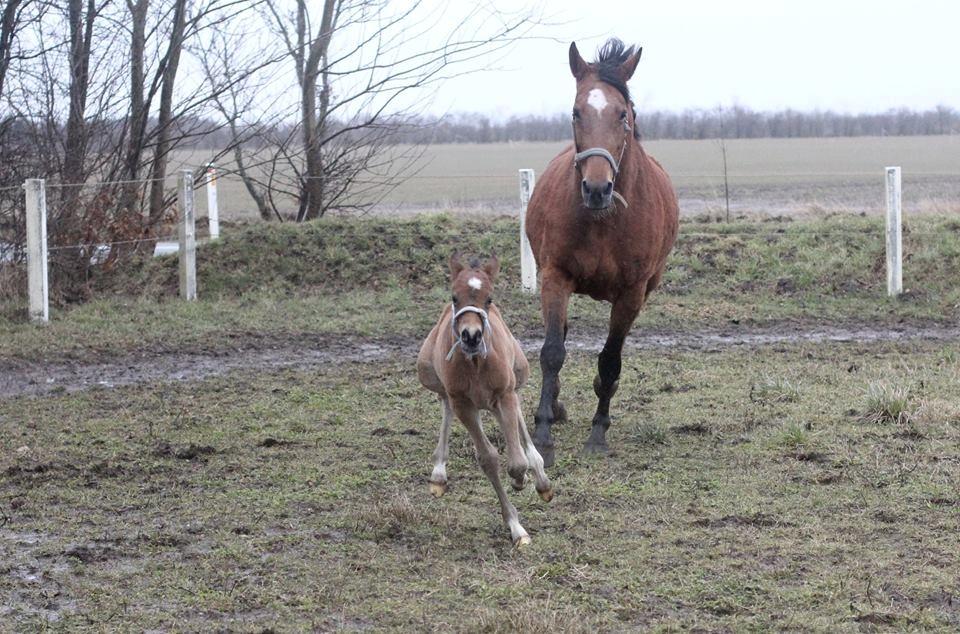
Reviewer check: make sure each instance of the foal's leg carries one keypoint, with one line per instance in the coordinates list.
(438, 479)
(506, 414)
(554, 299)
(534, 460)
(490, 464)
(605, 384)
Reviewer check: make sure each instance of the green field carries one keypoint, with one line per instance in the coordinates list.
(767, 176)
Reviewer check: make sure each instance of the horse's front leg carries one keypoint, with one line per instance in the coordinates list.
(554, 299)
(605, 384)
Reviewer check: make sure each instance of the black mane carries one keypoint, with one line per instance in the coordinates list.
(610, 57)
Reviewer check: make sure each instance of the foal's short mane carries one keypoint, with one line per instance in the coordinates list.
(610, 57)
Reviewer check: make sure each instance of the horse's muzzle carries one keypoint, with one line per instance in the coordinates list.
(596, 194)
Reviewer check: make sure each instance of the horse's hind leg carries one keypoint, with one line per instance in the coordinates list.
(438, 479)
(490, 464)
(605, 384)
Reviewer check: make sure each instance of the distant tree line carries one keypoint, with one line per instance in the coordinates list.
(735, 123)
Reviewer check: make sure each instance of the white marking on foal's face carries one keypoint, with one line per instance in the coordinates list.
(475, 283)
(597, 99)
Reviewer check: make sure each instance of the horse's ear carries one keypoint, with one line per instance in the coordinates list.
(492, 267)
(578, 67)
(456, 264)
(630, 65)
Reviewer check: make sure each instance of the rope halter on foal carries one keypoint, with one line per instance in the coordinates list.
(458, 340)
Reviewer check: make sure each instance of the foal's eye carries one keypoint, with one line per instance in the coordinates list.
(623, 115)
(454, 299)
(576, 114)
(489, 301)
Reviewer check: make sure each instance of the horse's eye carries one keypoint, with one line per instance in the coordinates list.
(454, 299)
(623, 115)
(576, 114)
(489, 301)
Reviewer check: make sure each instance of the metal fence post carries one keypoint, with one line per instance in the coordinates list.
(528, 265)
(188, 237)
(213, 212)
(37, 281)
(894, 233)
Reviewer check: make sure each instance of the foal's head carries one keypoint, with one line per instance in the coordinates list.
(472, 288)
(603, 118)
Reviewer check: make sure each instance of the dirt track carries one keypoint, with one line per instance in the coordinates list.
(21, 378)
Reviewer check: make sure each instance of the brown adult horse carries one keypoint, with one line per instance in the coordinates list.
(601, 221)
(472, 362)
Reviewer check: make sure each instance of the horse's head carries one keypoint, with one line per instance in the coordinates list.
(472, 286)
(602, 118)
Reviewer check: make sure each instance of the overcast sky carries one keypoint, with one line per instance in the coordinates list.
(849, 56)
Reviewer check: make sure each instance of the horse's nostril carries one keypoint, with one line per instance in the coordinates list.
(608, 188)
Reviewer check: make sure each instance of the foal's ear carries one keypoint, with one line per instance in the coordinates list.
(456, 265)
(492, 267)
(578, 67)
(630, 64)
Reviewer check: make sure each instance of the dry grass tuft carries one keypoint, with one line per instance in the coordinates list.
(886, 403)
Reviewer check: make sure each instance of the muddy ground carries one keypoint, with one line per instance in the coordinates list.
(23, 378)
(759, 480)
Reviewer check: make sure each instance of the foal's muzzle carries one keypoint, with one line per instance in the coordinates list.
(470, 341)
(596, 194)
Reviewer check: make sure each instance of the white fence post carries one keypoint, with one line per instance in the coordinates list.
(213, 213)
(894, 234)
(37, 286)
(528, 265)
(188, 237)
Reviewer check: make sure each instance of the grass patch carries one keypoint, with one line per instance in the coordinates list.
(774, 389)
(270, 499)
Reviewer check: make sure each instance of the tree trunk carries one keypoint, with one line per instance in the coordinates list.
(8, 28)
(81, 34)
(312, 187)
(158, 168)
(138, 109)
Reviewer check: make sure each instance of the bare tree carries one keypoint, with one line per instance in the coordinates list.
(357, 65)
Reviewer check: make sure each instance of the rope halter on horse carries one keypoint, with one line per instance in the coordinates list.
(458, 340)
(602, 152)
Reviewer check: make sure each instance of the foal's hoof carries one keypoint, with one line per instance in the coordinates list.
(546, 495)
(437, 489)
(518, 485)
(521, 542)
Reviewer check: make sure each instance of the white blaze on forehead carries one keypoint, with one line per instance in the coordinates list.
(475, 283)
(597, 99)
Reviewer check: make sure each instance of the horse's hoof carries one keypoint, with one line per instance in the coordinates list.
(518, 485)
(522, 541)
(559, 413)
(546, 495)
(437, 489)
(596, 448)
